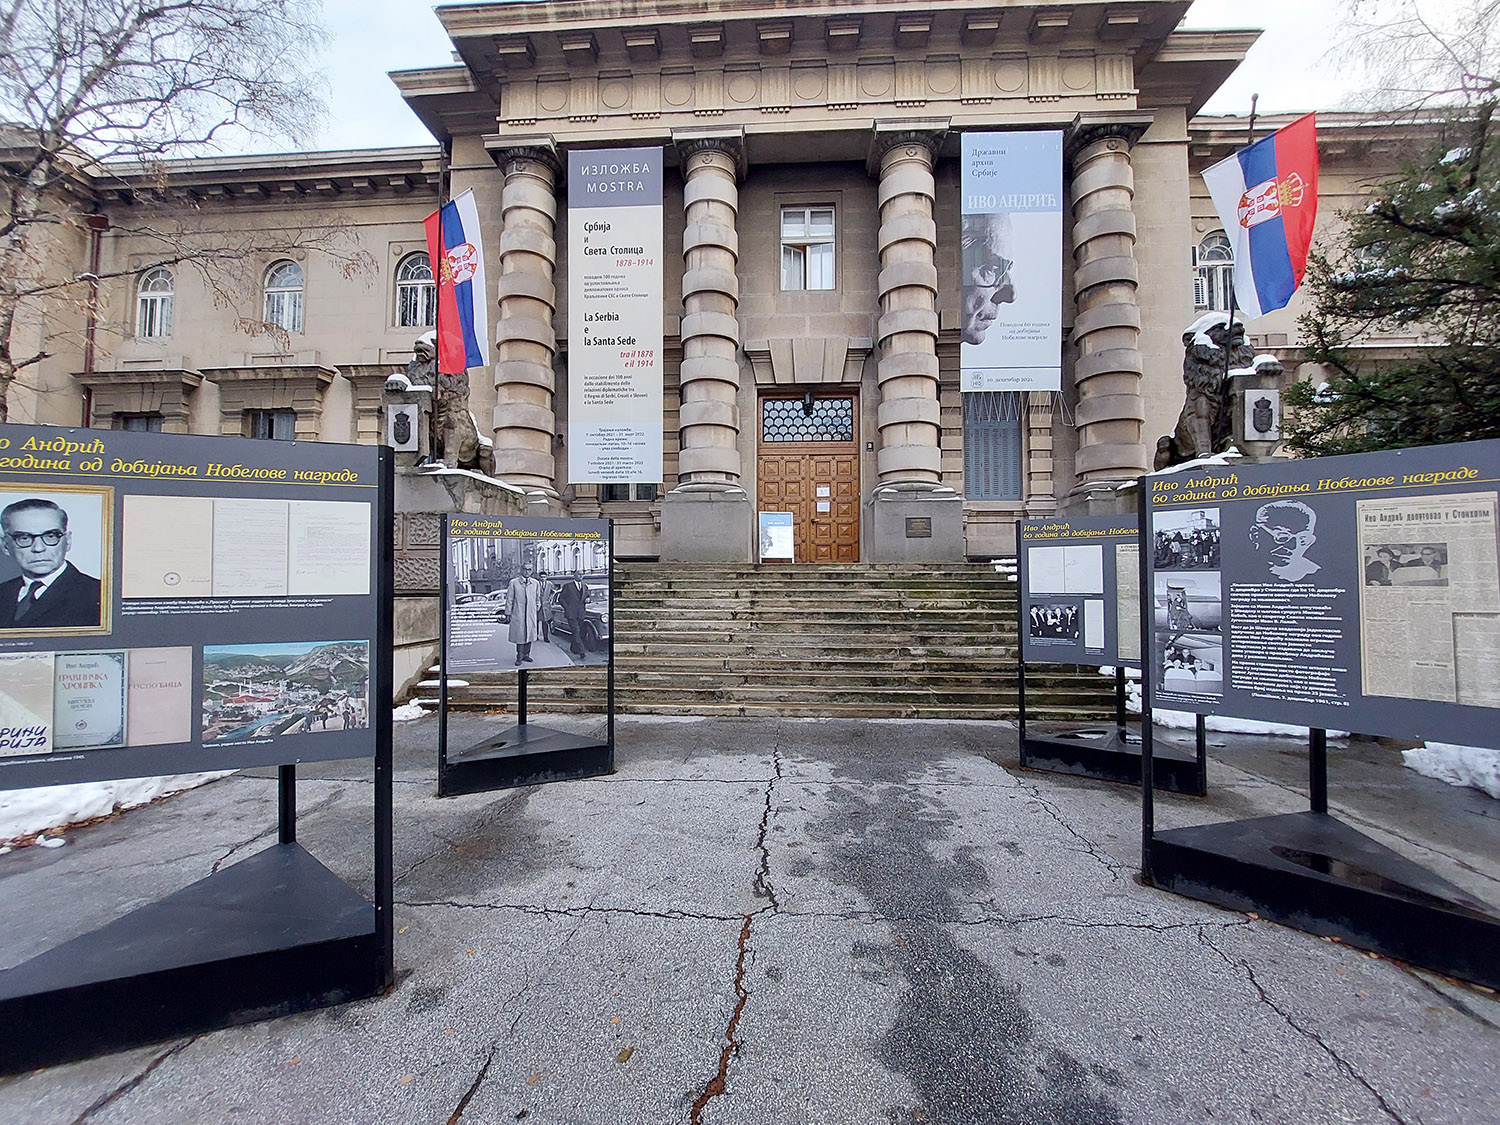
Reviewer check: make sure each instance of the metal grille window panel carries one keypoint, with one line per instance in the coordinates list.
(790, 420)
(416, 295)
(994, 424)
(610, 492)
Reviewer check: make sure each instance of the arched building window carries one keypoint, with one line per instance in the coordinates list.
(284, 296)
(153, 303)
(1213, 273)
(416, 295)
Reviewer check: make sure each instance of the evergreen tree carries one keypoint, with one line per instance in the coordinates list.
(1422, 259)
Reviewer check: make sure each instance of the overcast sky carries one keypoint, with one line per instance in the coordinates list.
(1286, 67)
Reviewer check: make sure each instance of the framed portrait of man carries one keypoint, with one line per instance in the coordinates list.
(55, 560)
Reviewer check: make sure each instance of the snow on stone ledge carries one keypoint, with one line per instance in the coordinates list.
(25, 812)
(437, 469)
(1457, 765)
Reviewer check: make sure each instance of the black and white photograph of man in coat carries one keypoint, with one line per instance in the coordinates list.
(520, 603)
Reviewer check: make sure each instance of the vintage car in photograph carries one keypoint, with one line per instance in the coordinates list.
(595, 615)
(481, 607)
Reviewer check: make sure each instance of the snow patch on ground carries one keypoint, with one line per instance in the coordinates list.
(407, 712)
(24, 812)
(1225, 724)
(1457, 765)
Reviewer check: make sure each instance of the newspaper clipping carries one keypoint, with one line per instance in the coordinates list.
(1430, 599)
(1128, 602)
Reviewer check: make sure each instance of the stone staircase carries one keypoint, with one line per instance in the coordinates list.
(868, 640)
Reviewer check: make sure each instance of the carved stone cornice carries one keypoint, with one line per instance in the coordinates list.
(730, 142)
(1087, 128)
(505, 151)
(886, 135)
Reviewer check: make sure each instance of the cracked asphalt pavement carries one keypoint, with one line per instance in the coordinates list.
(826, 922)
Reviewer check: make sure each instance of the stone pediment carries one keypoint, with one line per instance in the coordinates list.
(646, 70)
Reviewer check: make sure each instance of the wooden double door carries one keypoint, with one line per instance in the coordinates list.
(807, 464)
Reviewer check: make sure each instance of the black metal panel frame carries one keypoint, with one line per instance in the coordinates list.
(1116, 756)
(288, 962)
(1235, 864)
(522, 753)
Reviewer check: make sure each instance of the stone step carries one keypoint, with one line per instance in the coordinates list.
(884, 640)
(795, 647)
(794, 696)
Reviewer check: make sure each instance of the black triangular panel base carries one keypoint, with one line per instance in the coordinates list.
(1313, 872)
(524, 754)
(1108, 754)
(274, 934)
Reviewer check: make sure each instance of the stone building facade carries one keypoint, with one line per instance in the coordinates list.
(833, 125)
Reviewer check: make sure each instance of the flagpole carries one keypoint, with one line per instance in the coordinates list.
(1229, 332)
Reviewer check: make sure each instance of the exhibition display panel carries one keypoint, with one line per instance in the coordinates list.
(1356, 593)
(1077, 580)
(522, 594)
(169, 605)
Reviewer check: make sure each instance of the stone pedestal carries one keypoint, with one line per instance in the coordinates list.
(707, 524)
(916, 524)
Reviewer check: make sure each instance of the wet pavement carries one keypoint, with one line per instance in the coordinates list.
(817, 921)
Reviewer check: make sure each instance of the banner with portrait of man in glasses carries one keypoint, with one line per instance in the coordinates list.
(1011, 261)
(52, 559)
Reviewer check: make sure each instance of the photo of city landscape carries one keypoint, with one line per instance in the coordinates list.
(256, 691)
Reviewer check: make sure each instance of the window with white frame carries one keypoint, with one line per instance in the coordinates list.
(1213, 273)
(416, 295)
(284, 296)
(806, 248)
(276, 425)
(146, 423)
(153, 303)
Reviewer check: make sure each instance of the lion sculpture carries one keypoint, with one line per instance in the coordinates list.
(1203, 427)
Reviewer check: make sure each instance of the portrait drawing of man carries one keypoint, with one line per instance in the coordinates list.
(985, 274)
(1282, 533)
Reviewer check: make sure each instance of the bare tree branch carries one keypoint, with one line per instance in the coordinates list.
(86, 82)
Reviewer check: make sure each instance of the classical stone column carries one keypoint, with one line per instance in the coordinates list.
(1041, 500)
(707, 516)
(1107, 325)
(914, 516)
(709, 421)
(525, 419)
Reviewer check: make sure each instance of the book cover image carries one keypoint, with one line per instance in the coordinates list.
(159, 699)
(89, 701)
(25, 703)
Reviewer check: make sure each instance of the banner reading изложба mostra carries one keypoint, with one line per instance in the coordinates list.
(1010, 271)
(614, 315)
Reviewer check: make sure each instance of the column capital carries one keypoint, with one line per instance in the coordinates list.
(541, 149)
(928, 133)
(730, 142)
(1126, 125)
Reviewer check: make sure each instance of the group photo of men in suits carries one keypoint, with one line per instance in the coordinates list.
(52, 590)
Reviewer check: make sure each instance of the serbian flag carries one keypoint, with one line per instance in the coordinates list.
(1267, 198)
(457, 257)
